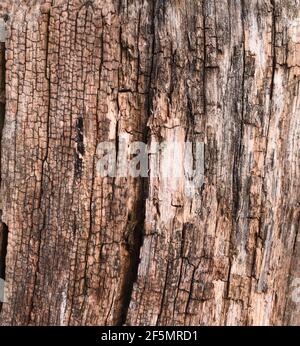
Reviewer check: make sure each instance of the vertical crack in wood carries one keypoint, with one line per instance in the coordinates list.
(133, 233)
(3, 251)
(80, 149)
(3, 226)
(262, 286)
(132, 242)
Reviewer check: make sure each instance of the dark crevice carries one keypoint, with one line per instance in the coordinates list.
(261, 232)
(80, 150)
(3, 251)
(134, 230)
(132, 243)
(3, 226)
(237, 154)
(3, 247)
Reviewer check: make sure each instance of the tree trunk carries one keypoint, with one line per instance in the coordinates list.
(84, 249)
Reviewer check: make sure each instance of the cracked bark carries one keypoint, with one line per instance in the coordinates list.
(3, 226)
(86, 250)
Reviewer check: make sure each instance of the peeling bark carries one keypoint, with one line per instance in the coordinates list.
(88, 250)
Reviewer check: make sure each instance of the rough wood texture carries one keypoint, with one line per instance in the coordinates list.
(88, 250)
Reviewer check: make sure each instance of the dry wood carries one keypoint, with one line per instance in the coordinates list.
(88, 250)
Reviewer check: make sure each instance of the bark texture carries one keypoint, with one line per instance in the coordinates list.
(88, 250)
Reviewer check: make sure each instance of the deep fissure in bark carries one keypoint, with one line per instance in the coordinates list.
(3, 248)
(3, 252)
(3, 226)
(132, 242)
(133, 233)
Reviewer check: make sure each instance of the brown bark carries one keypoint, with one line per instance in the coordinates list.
(88, 250)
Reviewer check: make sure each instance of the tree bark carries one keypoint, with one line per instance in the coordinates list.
(88, 250)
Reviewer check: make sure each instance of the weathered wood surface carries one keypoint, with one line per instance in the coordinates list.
(88, 250)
